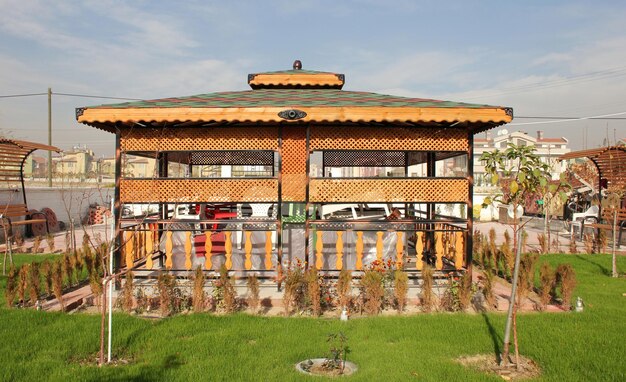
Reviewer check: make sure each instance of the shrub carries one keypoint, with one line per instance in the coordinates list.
(253, 293)
(313, 289)
(526, 280)
(22, 283)
(10, 291)
(426, 295)
(400, 289)
(372, 291)
(19, 241)
(543, 243)
(588, 242)
(465, 291)
(524, 242)
(548, 280)
(603, 241)
(294, 282)
(224, 292)
(36, 244)
(487, 283)
(507, 260)
(127, 293)
(143, 301)
(165, 285)
(572, 246)
(34, 282)
(50, 241)
(67, 268)
(344, 288)
(566, 281)
(46, 274)
(57, 282)
(199, 296)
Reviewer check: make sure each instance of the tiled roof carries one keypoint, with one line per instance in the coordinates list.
(290, 98)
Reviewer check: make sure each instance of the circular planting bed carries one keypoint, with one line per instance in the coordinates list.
(325, 367)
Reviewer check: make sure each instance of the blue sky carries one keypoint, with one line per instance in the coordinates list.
(558, 58)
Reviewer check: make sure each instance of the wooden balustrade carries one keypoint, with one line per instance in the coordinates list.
(445, 246)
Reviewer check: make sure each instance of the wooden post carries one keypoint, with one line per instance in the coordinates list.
(458, 258)
(229, 250)
(379, 245)
(268, 250)
(439, 250)
(339, 247)
(208, 247)
(399, 250)
(419, 251)
(248, 250)
(188, 246)
(359, 250)
(168, 250)
(319, 247)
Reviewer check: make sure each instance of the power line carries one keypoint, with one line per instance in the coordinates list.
(96, 96)
(70, 95)
(22, 95)
(598, 118)
(567, 120)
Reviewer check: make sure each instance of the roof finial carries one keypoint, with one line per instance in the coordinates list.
(297, 65)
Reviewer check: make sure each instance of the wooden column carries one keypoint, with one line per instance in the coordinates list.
(470, 202)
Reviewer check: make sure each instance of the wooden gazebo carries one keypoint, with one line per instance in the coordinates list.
(344, 178)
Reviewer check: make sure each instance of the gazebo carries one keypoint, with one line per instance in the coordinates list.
(15, 212)
(296, 171)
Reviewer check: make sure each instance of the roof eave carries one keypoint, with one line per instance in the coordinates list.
(491, 117)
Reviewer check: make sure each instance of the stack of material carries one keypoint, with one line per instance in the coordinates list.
(97, 214)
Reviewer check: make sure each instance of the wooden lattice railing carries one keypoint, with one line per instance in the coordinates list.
(408, 245)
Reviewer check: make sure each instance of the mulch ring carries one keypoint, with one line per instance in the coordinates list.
(488, 363)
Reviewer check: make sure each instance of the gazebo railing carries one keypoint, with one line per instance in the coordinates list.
(333, 245)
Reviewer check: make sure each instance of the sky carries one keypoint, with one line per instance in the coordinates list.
(544, 59)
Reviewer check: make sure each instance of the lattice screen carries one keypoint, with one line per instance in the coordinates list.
(294, 164)
(364, 158)
(388, 190)
(264, 158)
(198, 190)
(387, 138)
(193, 139)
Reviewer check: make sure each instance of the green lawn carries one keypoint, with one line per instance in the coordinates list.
(568, 346)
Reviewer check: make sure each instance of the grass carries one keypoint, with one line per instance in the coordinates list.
(568, 346)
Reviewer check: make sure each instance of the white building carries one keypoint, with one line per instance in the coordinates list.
(548, 149)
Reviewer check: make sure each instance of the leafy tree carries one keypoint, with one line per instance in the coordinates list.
(524, 173)
(520, 173)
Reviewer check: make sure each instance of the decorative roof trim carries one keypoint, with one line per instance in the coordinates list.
(313, 114)
(297, 79)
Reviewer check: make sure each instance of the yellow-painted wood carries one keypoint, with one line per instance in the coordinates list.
(359, 250)
(188, 246)
(228, 244)
(460, 250)
(248, 249)
(379, 245)
(208, 247)
(319, 247)
(439, 250)
(129, 248)
(169, 245)
(339, 248)
(268, 250)
(399, 250)
(314, 114)
(149, 248)
(419, 250)
(295, 79)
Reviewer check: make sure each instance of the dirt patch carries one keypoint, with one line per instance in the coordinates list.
(488, 363)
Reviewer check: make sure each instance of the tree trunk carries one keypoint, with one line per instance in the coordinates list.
(102, 315)
(614, 270)
(515, 337)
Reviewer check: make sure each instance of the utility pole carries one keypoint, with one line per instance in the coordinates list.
(49, 136)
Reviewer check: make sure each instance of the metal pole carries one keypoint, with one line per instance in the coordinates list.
(509, 317)
(111, 248)
(49, 136)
